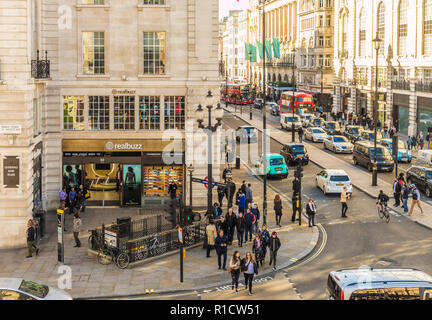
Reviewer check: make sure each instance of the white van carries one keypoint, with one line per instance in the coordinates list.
(286, 121)
(424, 157)
(379, 284)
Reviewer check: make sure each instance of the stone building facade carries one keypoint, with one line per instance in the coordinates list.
(404, 61)
(122, 75)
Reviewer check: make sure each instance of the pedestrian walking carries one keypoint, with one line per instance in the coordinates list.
(343, 200)
(250, 220)
(274, 245)
(409, 142)
(250, 268)
(421, 140)
(223, 225)
(265, 236)
(405, 196)
(255, 211)
(234, 270)
(397, 189)
(211, 236)
(416, 199)
(221, 194)
(300, 134)
(221, 245)
(172, 190)
(76, 229)
(230, 191)
(240, 226)
(249, 194)
(31, 239)
(231, 222)
(63, 194)
(257, 249)
(241, 198)
(217, 210)
(311, 211)
(296, 207)
(278, 209)
(414, 142)
(72, 198)
(243, 187)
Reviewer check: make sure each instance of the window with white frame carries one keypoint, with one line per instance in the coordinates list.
(362, 33)
(154, 2)
(362, 76)
(403, 27)
(320, 60)
(154, 52)
(427, 28)
(321, 41)
(381, 26)
(329, 20)
(73, 113)
(93, 50)
(175, 112)
(124, 112)
(328, 41)
(149, 112)
(328, 60)
(99, 118)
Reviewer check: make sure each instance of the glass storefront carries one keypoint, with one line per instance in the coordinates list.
(131, 185)
(403, 117)
(424, 118)
(103, 182)
(156, 180)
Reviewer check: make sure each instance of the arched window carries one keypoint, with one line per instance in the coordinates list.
(403, 27)
(381, 26)
(427, 28)
(344, 31)
(362, 33)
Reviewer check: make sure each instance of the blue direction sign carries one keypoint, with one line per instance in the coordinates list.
(205, 182)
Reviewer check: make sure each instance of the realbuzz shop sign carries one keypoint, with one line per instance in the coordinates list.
(123, 146)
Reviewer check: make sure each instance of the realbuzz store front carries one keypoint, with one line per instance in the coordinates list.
(125, 173)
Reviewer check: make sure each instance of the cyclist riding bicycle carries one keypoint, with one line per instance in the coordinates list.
(383, 199)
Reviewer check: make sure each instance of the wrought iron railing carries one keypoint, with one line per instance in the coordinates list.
(424, 86)
(40, 69)
(401, 84)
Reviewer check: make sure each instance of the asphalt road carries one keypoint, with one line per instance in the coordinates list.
(361, 239)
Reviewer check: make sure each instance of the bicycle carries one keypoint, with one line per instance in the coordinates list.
(154, 249)
(120, 258)
(383, 211)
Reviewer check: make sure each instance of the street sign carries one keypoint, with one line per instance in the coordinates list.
(60, 242)
(205, 182)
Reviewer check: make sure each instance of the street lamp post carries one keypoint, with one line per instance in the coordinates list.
(191, 170)
(250, 81)
(293, 98)
(377, 45)
(210, 130)
(226, 81)
(263, 2)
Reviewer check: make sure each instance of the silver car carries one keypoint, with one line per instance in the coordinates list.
(315, 134)
(338, 144)
(20, 289)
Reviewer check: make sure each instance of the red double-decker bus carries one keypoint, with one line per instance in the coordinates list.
(236, 93)
(303, 103)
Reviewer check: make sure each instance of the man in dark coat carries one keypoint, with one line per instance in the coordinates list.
(221, 194)
(221, 245)
(231, 222)
(230, 191)
(274, 244)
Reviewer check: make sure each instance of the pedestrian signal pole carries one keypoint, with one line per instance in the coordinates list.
(299, 174)
(180, 235)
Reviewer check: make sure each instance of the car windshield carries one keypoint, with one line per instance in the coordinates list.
(429, 174)
(307, 117)
(381, 152)
(339, 178)
(317, 121)
(339, 139)
(317, 130)
(290, 119)
(355, 130)
(276, 161)
(298, 149)
(249, 129)
(33, 288)
(333, 125)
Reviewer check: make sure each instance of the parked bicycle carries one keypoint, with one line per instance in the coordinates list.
(108, 254)
(155, 248)
(383, 211)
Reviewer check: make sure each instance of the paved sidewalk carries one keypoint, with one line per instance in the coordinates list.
(360, 178)
(90, 279)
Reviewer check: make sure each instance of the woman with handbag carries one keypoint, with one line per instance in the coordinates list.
(249, 268)
(278, 209)
(257, 248)
(234, 270)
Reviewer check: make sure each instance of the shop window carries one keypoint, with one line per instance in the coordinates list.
(124, 112)
(93, 48)
(149, 112)
(73, 113)
(175, 112)
(424, 121)
(99, 112)
(154, 52)
(156, 180)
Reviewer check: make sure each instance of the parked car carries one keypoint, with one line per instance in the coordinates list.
(333, 181)
(20, 289)
(258, 104)
(315, 134)
(295, 153)
(273, 108)
(369, 135)
(286, 122)
(332, 127)
(424, 157)
(364, 156)
(316, 122)
(247, 134)
(306, 118)
(404, 155)
(338, 144)
(422, 178)
(353, 133)
(275, 164)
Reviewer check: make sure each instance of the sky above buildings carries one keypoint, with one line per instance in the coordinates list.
(226, 5)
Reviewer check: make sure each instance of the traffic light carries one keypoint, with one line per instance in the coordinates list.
(299, 172)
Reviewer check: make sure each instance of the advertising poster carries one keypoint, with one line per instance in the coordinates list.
(72, 176)
(131, 185)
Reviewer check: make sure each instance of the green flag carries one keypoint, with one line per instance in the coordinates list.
(268, 50)
(247, 50)
(260, 49)
(254, 53)
(276, 48)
